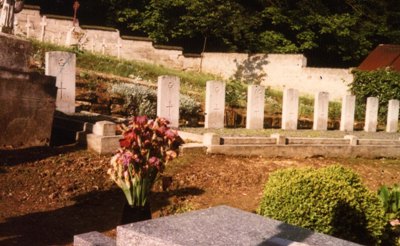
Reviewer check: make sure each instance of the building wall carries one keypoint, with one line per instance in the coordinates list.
(282, 70)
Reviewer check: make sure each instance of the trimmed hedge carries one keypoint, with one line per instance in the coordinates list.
(330, 200)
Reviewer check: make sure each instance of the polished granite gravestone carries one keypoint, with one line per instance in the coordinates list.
(221, 225)
(27, 99)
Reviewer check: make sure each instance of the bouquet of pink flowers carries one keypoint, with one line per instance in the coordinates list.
(145, 149)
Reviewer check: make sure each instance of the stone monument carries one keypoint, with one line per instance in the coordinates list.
(27, 98)
(8, 9)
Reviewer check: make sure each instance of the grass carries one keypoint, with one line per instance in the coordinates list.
(192, 83)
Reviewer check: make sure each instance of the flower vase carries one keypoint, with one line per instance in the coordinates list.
(135, 214)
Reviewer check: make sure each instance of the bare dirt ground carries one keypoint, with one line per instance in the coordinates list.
(47, 195)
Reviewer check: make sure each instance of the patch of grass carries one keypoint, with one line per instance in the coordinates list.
(190, 81)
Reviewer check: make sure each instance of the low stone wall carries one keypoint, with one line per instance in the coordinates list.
(282, 70)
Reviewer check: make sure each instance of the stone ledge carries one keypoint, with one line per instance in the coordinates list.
(305, 151)
(103, 144)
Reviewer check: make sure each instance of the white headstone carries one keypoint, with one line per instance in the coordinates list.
(393, 116)
(62, 65)
(290, 109)
(371, 114)
(347, 114)
(321, 105)
(168, 99)
(215, 104)
(255, 107)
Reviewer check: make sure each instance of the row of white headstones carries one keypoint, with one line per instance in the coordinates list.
(168, 99)
(62, 65)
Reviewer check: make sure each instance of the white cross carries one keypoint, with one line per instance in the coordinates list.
(28, 27)
(119, 46)
(103, 47)
(59, 38)
(169, 106)
(43, 24)
(92, 44)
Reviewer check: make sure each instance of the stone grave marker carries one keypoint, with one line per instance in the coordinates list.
(321, 105)
(290, 109)
(255, 107)
(347, 114)
(218, 226)
(168, 99)
(371, 114)
(27, 99)
(215, 104)
(62, 65)
(393, 116)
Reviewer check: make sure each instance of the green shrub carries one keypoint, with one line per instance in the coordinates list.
(330, 200)
(142, 100)
(390, 197)
(139, 100)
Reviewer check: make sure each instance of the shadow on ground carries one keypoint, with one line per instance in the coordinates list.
(20, 156)
(95, 211)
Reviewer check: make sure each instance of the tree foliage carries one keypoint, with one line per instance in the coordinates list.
(329, 32)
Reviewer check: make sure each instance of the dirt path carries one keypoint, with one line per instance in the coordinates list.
(50, 194)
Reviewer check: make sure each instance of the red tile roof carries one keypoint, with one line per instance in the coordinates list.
(384, 55)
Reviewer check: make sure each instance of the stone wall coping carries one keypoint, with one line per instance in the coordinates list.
(136, 38)
(101, 28)
(32, 7)
(59, 17)
(167, 47)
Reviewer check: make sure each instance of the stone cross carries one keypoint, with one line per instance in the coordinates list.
(75, 7)
(43, 25)
(215, 104)
(8, 10)
(62, 65)
(103, 47)
(92, 44)
(119, 46)
(28, 26)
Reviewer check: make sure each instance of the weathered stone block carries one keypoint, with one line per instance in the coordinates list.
(14, 52)
(104, 128)
(103, 144)
(27, 107)
(211, 139)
